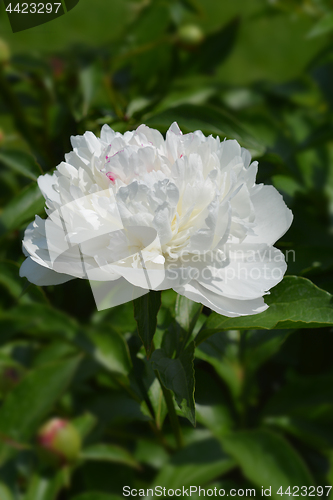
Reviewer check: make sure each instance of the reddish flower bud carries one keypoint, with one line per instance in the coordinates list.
(59, 440)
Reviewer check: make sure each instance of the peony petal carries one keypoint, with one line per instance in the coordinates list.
(272, 216)
(220, 304)
(40, 275)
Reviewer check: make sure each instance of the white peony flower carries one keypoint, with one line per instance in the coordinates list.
(135, 212)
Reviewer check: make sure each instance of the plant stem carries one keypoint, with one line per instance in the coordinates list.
(172, 413)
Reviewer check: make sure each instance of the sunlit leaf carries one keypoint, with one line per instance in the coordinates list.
(294, 303)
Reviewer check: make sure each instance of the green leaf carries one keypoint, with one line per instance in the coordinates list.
(20, 162)
(317, 435)
(39, 320)
(22, 208)
(145, 314)
(151, 388)
(217, 418)
(5, 494)
(151, 453)
(322, 27)
(195, 465)
(267, 460)
(212, 404)
(193, 6)
(109, 453)
(294, 303)
(177, 375)
(10, 279)
(108, 348)
(259, 345)
(46, 488)
(207, 119)
(215, 49)
(84, 424)
(103, 344)
(309, 396)
(221, 350)
(30, 401)
(187, 313)
(158, 403)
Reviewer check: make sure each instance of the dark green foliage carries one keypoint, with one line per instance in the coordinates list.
(259, 387)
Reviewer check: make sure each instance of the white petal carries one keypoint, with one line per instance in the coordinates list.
(107, 134)
(46, 184)
(272, 216)
(40, 275)
(220, 304)
(251, 271)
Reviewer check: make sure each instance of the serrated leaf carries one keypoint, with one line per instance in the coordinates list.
(207, 119)
(20, 162)
(267, 460)
(29, 402)
(177, 375)
(145, 314)
(109, 453)
(22, 208)
(294, 303)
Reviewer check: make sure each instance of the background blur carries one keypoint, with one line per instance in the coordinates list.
(254, 70)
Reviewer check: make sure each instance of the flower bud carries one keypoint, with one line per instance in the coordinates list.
(4, 52)
(190, 35)
(59, 440)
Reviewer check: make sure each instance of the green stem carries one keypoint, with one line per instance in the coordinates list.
(172, 413)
